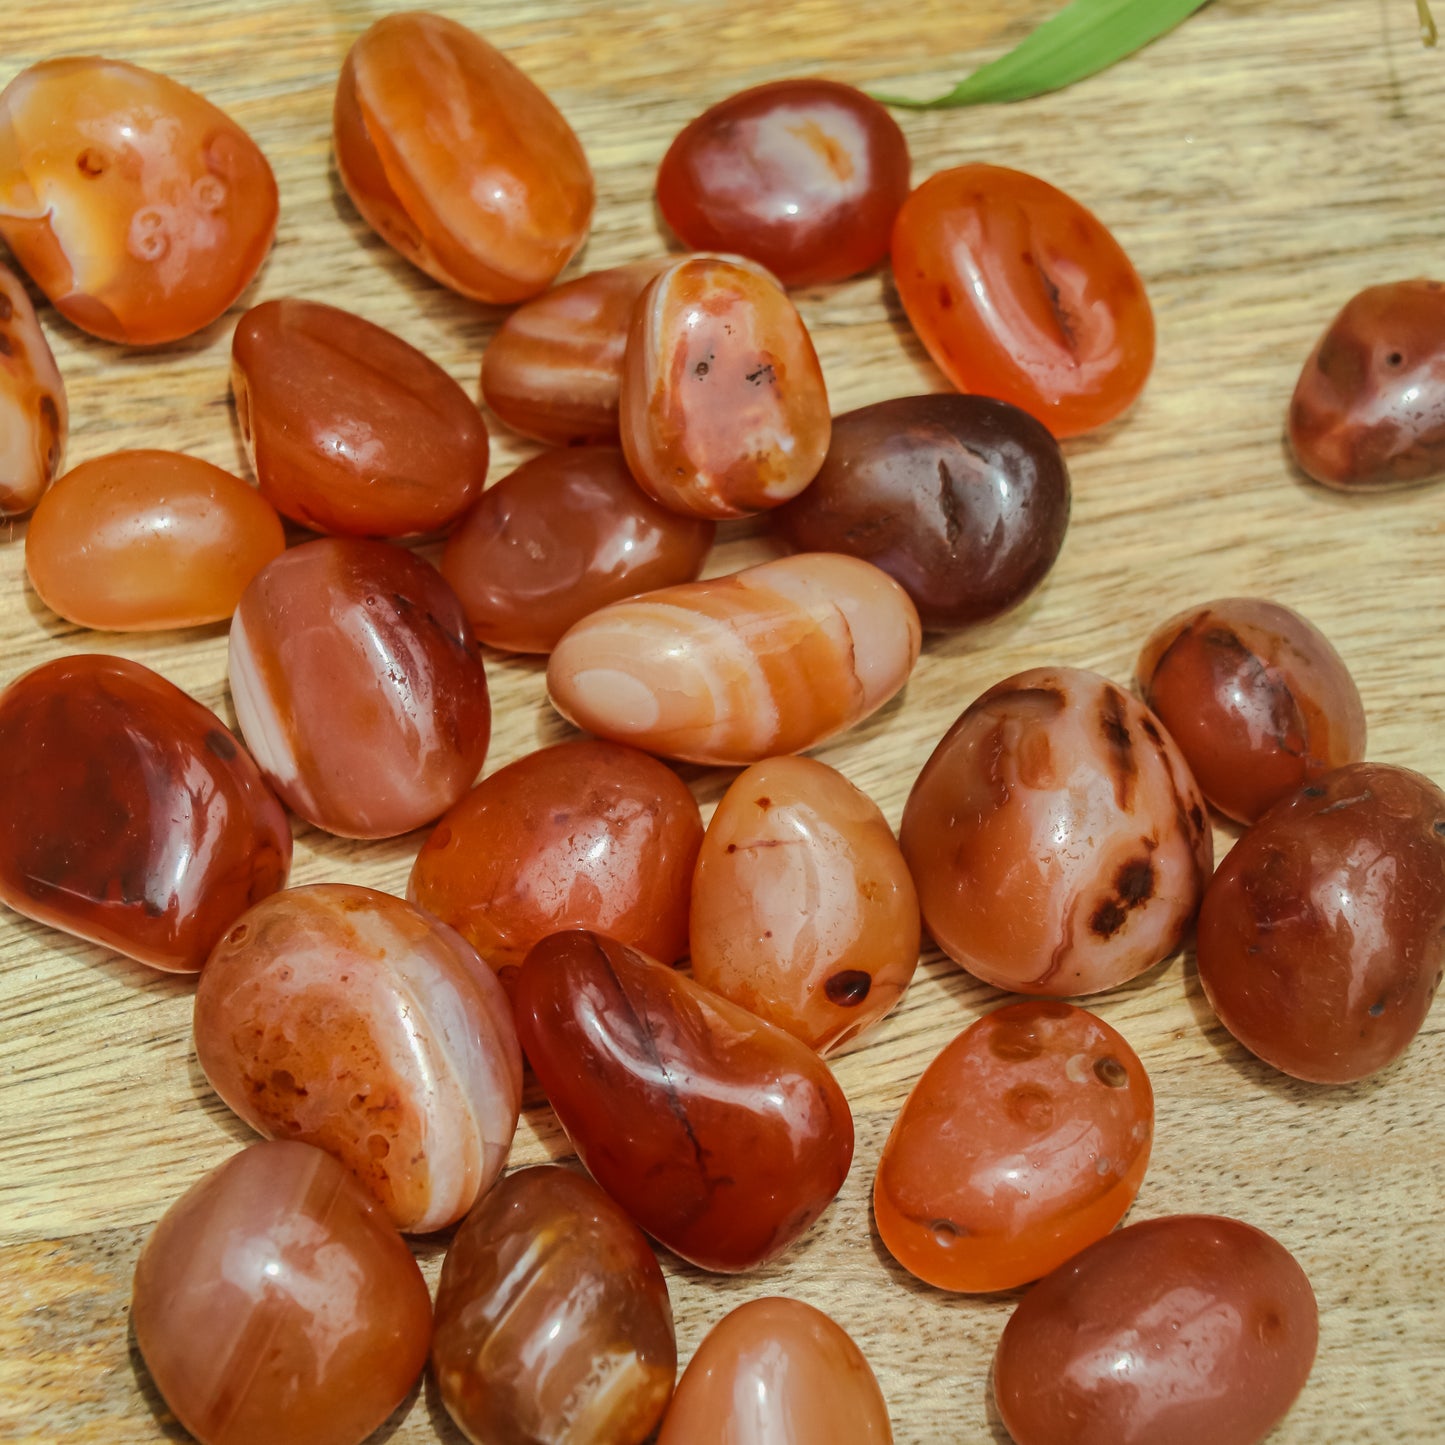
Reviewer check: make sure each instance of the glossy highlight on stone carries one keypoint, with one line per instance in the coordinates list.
(139, 208)
(359, 686)
(777, 1372)
(1322, 936)
(773, 659)
(129, 815)
(722, 1136)
(804, 176)
(566, 533)
(345, 1018)
(552, 1318)
(458, 160)
(350, 429)
(723, 410)
(962, 500)
(274, 1301)
(141, 540)
(34, 416)
(1019, 292)
(1025, 1140)
(553, 369)
(1059, 844)
(584, 834)
(803, 910)
(1368, 411)
(1193, 1329)
(1256, 698)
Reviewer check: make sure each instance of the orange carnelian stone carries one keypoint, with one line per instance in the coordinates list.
(1025, 1140)
(1020, 293)
(141, 540)
(723, 410)
(139, 209)
(777, 1370)
(458, 160)
(803, 910)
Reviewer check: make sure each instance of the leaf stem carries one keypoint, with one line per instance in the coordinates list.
(1428, 33)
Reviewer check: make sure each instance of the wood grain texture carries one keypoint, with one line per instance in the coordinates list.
(1260, 164)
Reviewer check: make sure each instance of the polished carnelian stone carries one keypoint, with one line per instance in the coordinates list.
(135, 541)
(1322, 936)
(554, 368)
(777, 1372)
(350, 429)
(566, 533)
(803, 910)
(803, 176)
(722, 1136)
(275, 1302)
(585, 834)
(1368, 411)
(1058, 840)
(1191, 1329)
(346, 1018)
(34, 417)
(552, 1318)
(1256, 698)
(359, 686)
(459, 160)
(1025, 1140)
(723, 410)
(139, 209)
(129, 815)
(1020, 293)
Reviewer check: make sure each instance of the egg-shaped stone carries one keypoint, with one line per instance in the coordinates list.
(142, 540)
(803, 910)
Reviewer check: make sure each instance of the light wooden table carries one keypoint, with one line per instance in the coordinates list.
(1261, 164)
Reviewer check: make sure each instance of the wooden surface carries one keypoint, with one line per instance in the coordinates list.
(1261, 164)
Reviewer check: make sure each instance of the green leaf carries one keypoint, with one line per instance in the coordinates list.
(1084, 38)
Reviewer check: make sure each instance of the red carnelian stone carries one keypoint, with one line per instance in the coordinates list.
(554, 368)
(1191, 1329)
(802, 176)
(129, 815)
(1256, 698)
(1322, 936)
(1020, 293)
(566, 533)
(721, 1135)
(275, 1302)
(585, 834)
(350, 429)
(359, 686)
